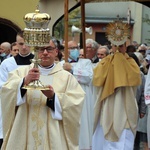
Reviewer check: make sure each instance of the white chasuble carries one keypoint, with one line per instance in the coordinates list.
(31, 126)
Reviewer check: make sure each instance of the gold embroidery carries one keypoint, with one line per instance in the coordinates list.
(38, 123)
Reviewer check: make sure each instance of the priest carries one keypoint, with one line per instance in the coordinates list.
(42, 119)
(116, 113)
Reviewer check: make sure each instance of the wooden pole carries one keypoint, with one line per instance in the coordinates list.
(83, 26)
(66, 29)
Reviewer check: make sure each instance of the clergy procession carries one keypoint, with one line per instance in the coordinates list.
(74, 95)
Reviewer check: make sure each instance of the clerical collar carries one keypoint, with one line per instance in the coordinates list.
(51, 66)
(94, 58)
(24, 55)
(46, 70)
(71, 60)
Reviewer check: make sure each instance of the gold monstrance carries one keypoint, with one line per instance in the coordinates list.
(36, 34)
(118, 32)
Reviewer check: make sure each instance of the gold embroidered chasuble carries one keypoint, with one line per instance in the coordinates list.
(116, 78)
(31, 126)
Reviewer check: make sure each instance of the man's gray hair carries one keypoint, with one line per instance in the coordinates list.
(54, 41)
(93, 43)
(107, 49)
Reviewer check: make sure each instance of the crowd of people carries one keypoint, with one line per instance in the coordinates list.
(94, 101)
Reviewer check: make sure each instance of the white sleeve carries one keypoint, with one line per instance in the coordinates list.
(83, 71)
(3, 74)
(57, 114)
(20, 99)
(147, 89)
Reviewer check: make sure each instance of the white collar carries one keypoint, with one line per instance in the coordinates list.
(46, 70)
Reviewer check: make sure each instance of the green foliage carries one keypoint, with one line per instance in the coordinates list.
(146, 19)
(73, 19)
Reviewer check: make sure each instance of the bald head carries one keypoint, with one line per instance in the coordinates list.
(72, 44)
(6, 47)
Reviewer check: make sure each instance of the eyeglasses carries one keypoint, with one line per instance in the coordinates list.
(142, 51)
(48, 49)
(75, 47)
(81, 55)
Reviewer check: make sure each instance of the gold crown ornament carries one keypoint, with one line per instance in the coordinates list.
(37, 32)
(118, 32)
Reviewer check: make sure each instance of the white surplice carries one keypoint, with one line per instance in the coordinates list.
(6, 66)
(83, 71)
